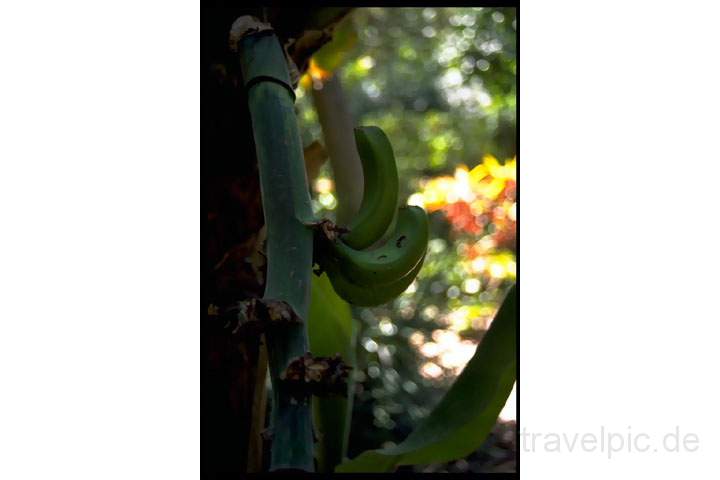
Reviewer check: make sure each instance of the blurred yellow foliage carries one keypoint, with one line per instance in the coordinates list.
(484, 182)
(479, 202)
(314, 75)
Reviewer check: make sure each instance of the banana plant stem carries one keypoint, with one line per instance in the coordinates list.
(337, 128)
(286, 206)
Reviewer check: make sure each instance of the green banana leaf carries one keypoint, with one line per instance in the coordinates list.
(464, 417)
(331, 331)
(333, 54)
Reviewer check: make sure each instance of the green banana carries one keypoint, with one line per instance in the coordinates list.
(369, 296)
(380, 190)
(394, 259)
(373, 277)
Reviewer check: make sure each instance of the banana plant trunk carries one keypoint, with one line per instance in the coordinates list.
(233, 234)
(287, 208)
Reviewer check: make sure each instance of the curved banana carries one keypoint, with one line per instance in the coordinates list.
(394, 259)
(370, 296)
(380, 191)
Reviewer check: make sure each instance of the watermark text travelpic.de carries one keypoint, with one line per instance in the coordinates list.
(609, 442)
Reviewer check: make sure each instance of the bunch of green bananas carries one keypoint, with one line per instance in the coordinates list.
(372, 277)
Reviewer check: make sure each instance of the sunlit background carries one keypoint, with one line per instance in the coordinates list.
(441, 83)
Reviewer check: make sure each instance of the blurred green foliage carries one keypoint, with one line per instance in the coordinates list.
(441, 82)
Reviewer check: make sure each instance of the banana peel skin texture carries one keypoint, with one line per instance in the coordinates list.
(373, 295)
(373, 277)
(380, 189)
(394, 259)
